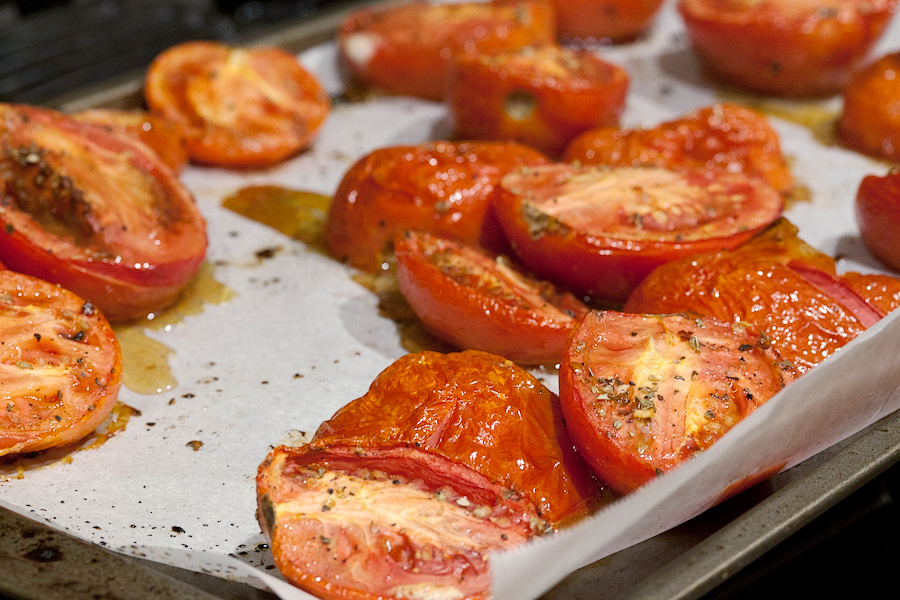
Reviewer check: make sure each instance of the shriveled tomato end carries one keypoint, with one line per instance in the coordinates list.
(776, 283)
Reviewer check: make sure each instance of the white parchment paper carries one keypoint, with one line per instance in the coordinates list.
(299, 339)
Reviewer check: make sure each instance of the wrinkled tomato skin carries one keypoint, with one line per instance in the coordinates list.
(615, 20)
(96, 212)
(408, 49)
(471, 392)
(237, 107)
(785, 48)
(448, 433)
(443, 188)
(643, 393)
(775, 283)
(478, 302)
(729, 137)
(870, 121)
(878, 217)
(541, 97)
(162, 135)
(60, 365)
(590, 241)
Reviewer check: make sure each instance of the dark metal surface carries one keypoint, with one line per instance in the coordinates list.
(69, 45)
(39, 563)
(66, 47)
(688, 562)
(694, 559)
(774, 520)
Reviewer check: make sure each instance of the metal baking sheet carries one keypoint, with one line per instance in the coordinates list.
(271, 356)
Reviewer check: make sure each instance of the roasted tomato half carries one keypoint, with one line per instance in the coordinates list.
(878, 217)
(775, 283)
(442, 187)
(602, 230)
(238, 107)
(162, 135)
(615, 20)
(95, 211)
(643, 393)
(723, 136)
(785, 47)
(60, 363)
(405, 491)
(542, 97)
(407, 49)
(870, 121)
(482, 302)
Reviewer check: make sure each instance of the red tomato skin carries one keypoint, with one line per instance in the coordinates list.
(616, 20)
(764, 283)
(870, 120)
(542, 97)
(724, 136)
(472, 391)
(408, 49)
(605, 389)
(229, 119)
(610, 265)
(442, 187)
(785, 48)
(46, 327)
(470, 423)
(464, 296)
(878, 217)
(115, 267)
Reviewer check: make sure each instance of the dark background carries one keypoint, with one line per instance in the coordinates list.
(52, 47)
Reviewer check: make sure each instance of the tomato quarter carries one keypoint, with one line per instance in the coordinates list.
(602, 230)
(238, 107)
(723, 136)
(542, 97)
(643, 393)
(60, 365)
(480, 302)
(785, 47)
(407, 49)
(442, 187)
(445, 459)
(95, 211)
